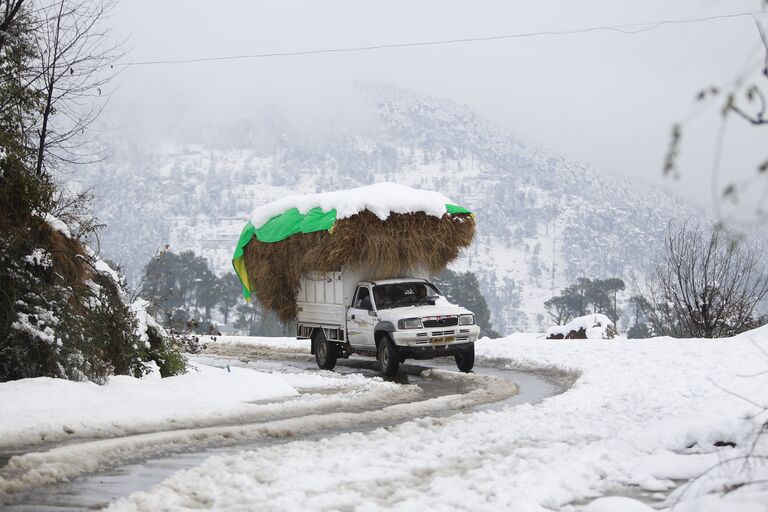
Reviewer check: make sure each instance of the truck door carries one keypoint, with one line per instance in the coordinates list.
(360, 321)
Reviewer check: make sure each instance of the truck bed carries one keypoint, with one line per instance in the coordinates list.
(321, 299)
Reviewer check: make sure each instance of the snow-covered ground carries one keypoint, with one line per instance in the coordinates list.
(643, 415)
(283, 344)
(43, 410)
(95, 428)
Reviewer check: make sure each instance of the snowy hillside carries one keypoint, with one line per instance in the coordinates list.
(542, 221)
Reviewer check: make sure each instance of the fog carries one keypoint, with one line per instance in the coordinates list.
(605, 98)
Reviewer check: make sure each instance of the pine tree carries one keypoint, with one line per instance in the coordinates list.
(464, 289)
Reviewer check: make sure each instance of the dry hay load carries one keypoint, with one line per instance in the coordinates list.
(385, 230)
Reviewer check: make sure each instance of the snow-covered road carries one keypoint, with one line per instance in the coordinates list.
(681, 424)
(98, 465)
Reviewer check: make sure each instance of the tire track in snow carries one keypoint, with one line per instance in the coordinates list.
(65, 463)
(311, 401)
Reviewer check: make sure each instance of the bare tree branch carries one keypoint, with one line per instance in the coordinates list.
(76, 58)
(706, 285)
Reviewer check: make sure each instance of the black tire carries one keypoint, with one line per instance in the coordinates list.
(387, 356)
(326, 352)
(465, 359)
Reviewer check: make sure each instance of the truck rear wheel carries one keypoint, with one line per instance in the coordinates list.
(465, 358)
(326, 352)
(389, 359)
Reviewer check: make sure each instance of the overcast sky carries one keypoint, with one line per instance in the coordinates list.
(604, 98)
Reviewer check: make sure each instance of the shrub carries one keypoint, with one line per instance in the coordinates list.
(65, 313)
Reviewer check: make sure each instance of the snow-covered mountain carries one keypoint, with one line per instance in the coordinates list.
(542, 221)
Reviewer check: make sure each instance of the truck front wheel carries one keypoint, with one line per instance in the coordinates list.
(465, 358)
(326, 352)
(389, 359)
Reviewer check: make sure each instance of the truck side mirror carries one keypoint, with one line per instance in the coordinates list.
(371, 313)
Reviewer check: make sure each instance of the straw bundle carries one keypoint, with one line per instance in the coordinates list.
(383, 248)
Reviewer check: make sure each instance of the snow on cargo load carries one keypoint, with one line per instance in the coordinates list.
(379, 231)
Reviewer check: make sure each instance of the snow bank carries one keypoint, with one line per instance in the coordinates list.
(641, 414)
(381, 199)
(376, 402)
(45, 409)
(595, 326)
(280, 343)
(617, 504)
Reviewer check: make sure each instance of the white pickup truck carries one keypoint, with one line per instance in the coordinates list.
(392, 319)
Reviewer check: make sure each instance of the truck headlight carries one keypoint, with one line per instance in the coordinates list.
(466, 319)
(409, 323)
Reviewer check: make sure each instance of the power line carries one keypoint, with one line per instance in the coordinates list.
(630, 28)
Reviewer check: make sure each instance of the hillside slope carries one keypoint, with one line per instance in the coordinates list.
(542, 221)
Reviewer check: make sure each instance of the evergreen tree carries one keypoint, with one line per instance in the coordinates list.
(583, 297)
(182, 289)
(229, 294)
(464, 289)
(254, 321)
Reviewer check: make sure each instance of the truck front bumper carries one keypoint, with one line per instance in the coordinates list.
(440, 337)
(422, 352)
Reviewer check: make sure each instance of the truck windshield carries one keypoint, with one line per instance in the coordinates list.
(398, 295)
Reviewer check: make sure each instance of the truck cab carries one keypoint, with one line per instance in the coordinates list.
(391, 319)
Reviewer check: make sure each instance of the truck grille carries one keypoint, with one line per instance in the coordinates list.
(442, 321)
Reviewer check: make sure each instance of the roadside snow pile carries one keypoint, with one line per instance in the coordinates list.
(594, 326)
(276, 343)
(44, 409)
(381, 199)
(640, 415)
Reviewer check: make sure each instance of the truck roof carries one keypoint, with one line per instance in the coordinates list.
(396, 280)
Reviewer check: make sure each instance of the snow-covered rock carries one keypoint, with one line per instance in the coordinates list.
(594, 326)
